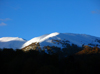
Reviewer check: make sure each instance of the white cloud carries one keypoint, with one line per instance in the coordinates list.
(6, 19)
(2, 24)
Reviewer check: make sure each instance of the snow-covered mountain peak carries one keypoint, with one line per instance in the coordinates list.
(40, 39)
(49, 36)
(53, 39)
(59, 39)
(11, 42)
(6, 39)
(53, 34)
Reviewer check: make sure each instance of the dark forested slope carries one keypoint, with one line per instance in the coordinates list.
(86, 61)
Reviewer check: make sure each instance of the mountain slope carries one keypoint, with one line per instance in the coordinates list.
(56, 39)
(61, 39)
(11, 42)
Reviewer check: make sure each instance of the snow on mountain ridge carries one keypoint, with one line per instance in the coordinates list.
(40, 39)
(47, 40)
(11, 42)
(6, 39)
(78, 39)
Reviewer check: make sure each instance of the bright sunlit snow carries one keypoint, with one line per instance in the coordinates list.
(46, 40)
(78, 39)
(11, 42)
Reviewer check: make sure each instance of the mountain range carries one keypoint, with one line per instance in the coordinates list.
(56, 39)
(55, 53)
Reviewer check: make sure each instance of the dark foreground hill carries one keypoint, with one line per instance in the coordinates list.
(86, 61)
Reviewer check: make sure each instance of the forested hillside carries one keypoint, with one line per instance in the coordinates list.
(86, 61)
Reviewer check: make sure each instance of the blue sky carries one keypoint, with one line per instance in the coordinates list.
(32, 18)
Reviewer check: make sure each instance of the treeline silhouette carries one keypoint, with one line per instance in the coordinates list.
(86, 61)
